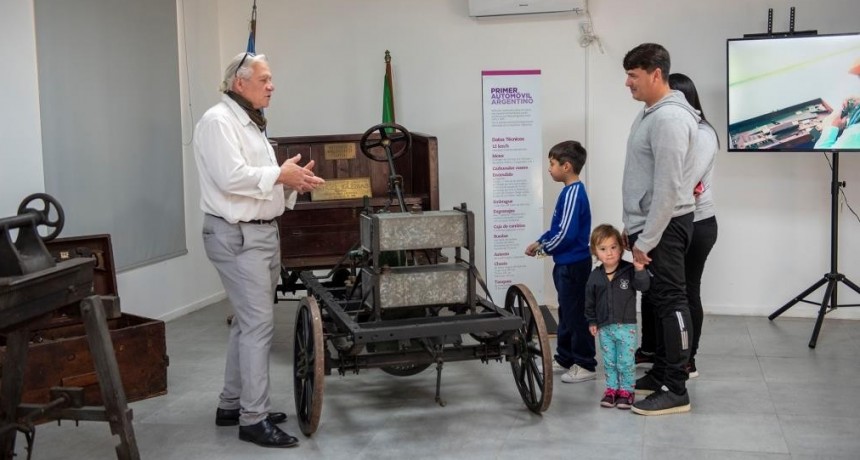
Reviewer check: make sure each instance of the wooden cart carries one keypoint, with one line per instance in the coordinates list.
(390, 300)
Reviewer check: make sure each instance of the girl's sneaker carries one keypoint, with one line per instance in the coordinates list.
(608, 398)
(624, 399)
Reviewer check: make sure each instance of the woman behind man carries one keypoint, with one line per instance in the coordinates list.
(704, 221)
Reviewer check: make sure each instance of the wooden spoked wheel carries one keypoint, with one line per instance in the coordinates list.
(308, 365)
(531, 362)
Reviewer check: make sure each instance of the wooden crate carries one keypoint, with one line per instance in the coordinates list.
(60, 356)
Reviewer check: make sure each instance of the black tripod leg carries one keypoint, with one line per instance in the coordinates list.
(851, 285)
(798, 298)
(828, 297)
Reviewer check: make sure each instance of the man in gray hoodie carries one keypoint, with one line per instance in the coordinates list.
(658, 219)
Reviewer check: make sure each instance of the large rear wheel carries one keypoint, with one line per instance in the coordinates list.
(531, 363)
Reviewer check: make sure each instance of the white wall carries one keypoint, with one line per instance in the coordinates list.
(327, 56)
(20, 131)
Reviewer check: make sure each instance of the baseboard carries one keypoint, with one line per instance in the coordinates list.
(192, 307)
(800, 310)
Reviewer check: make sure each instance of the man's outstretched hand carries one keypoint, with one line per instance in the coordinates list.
(301, 179)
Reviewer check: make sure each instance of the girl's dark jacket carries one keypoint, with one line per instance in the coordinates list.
(611, 302)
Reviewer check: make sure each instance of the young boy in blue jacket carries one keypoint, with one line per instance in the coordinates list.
(567, 242)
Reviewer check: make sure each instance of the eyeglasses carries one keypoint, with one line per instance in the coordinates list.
(236, 72)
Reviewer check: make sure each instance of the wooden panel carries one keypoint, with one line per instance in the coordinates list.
(318, 234)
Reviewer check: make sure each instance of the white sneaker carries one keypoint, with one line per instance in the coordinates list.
(578, 374)
(556, 367)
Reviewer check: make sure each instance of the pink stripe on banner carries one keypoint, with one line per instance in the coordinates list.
(510, 72)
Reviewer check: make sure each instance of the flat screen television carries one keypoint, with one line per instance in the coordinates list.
(794, 93)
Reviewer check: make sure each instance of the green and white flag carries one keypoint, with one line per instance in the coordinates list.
(388, 92)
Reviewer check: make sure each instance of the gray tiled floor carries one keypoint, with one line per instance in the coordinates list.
(762, 395)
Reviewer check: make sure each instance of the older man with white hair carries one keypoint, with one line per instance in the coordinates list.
(242, 191)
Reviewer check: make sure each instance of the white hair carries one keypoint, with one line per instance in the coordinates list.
(232, 71)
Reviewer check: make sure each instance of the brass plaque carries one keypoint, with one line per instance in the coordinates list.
(342, 189)
(342, 151)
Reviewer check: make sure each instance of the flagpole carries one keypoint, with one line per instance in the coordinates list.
(252, 35)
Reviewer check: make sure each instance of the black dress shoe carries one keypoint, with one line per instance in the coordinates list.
(230, 417)
(267, 434)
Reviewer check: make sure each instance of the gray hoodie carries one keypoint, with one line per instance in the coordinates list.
(658, 168)
(704, 153)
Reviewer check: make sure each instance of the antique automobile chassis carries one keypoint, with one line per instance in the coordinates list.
(430, 313)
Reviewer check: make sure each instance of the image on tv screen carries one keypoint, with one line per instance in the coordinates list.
(794, 93)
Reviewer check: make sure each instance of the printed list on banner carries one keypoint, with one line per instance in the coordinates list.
(513, 190)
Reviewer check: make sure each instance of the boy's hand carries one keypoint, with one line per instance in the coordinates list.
(593, 329)
(638, 266)
(531, 249)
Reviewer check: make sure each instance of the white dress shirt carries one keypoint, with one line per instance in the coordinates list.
(237, 167)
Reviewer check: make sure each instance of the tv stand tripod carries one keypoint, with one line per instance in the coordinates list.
(832, 278)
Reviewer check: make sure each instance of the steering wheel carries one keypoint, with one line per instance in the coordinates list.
(394, 140)
(44, 214)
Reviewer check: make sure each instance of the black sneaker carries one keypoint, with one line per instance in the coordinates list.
(663, 403)
(691, 369)
(643, 357)
(646, 385)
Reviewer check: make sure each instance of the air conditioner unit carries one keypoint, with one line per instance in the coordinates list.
(479, 8)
